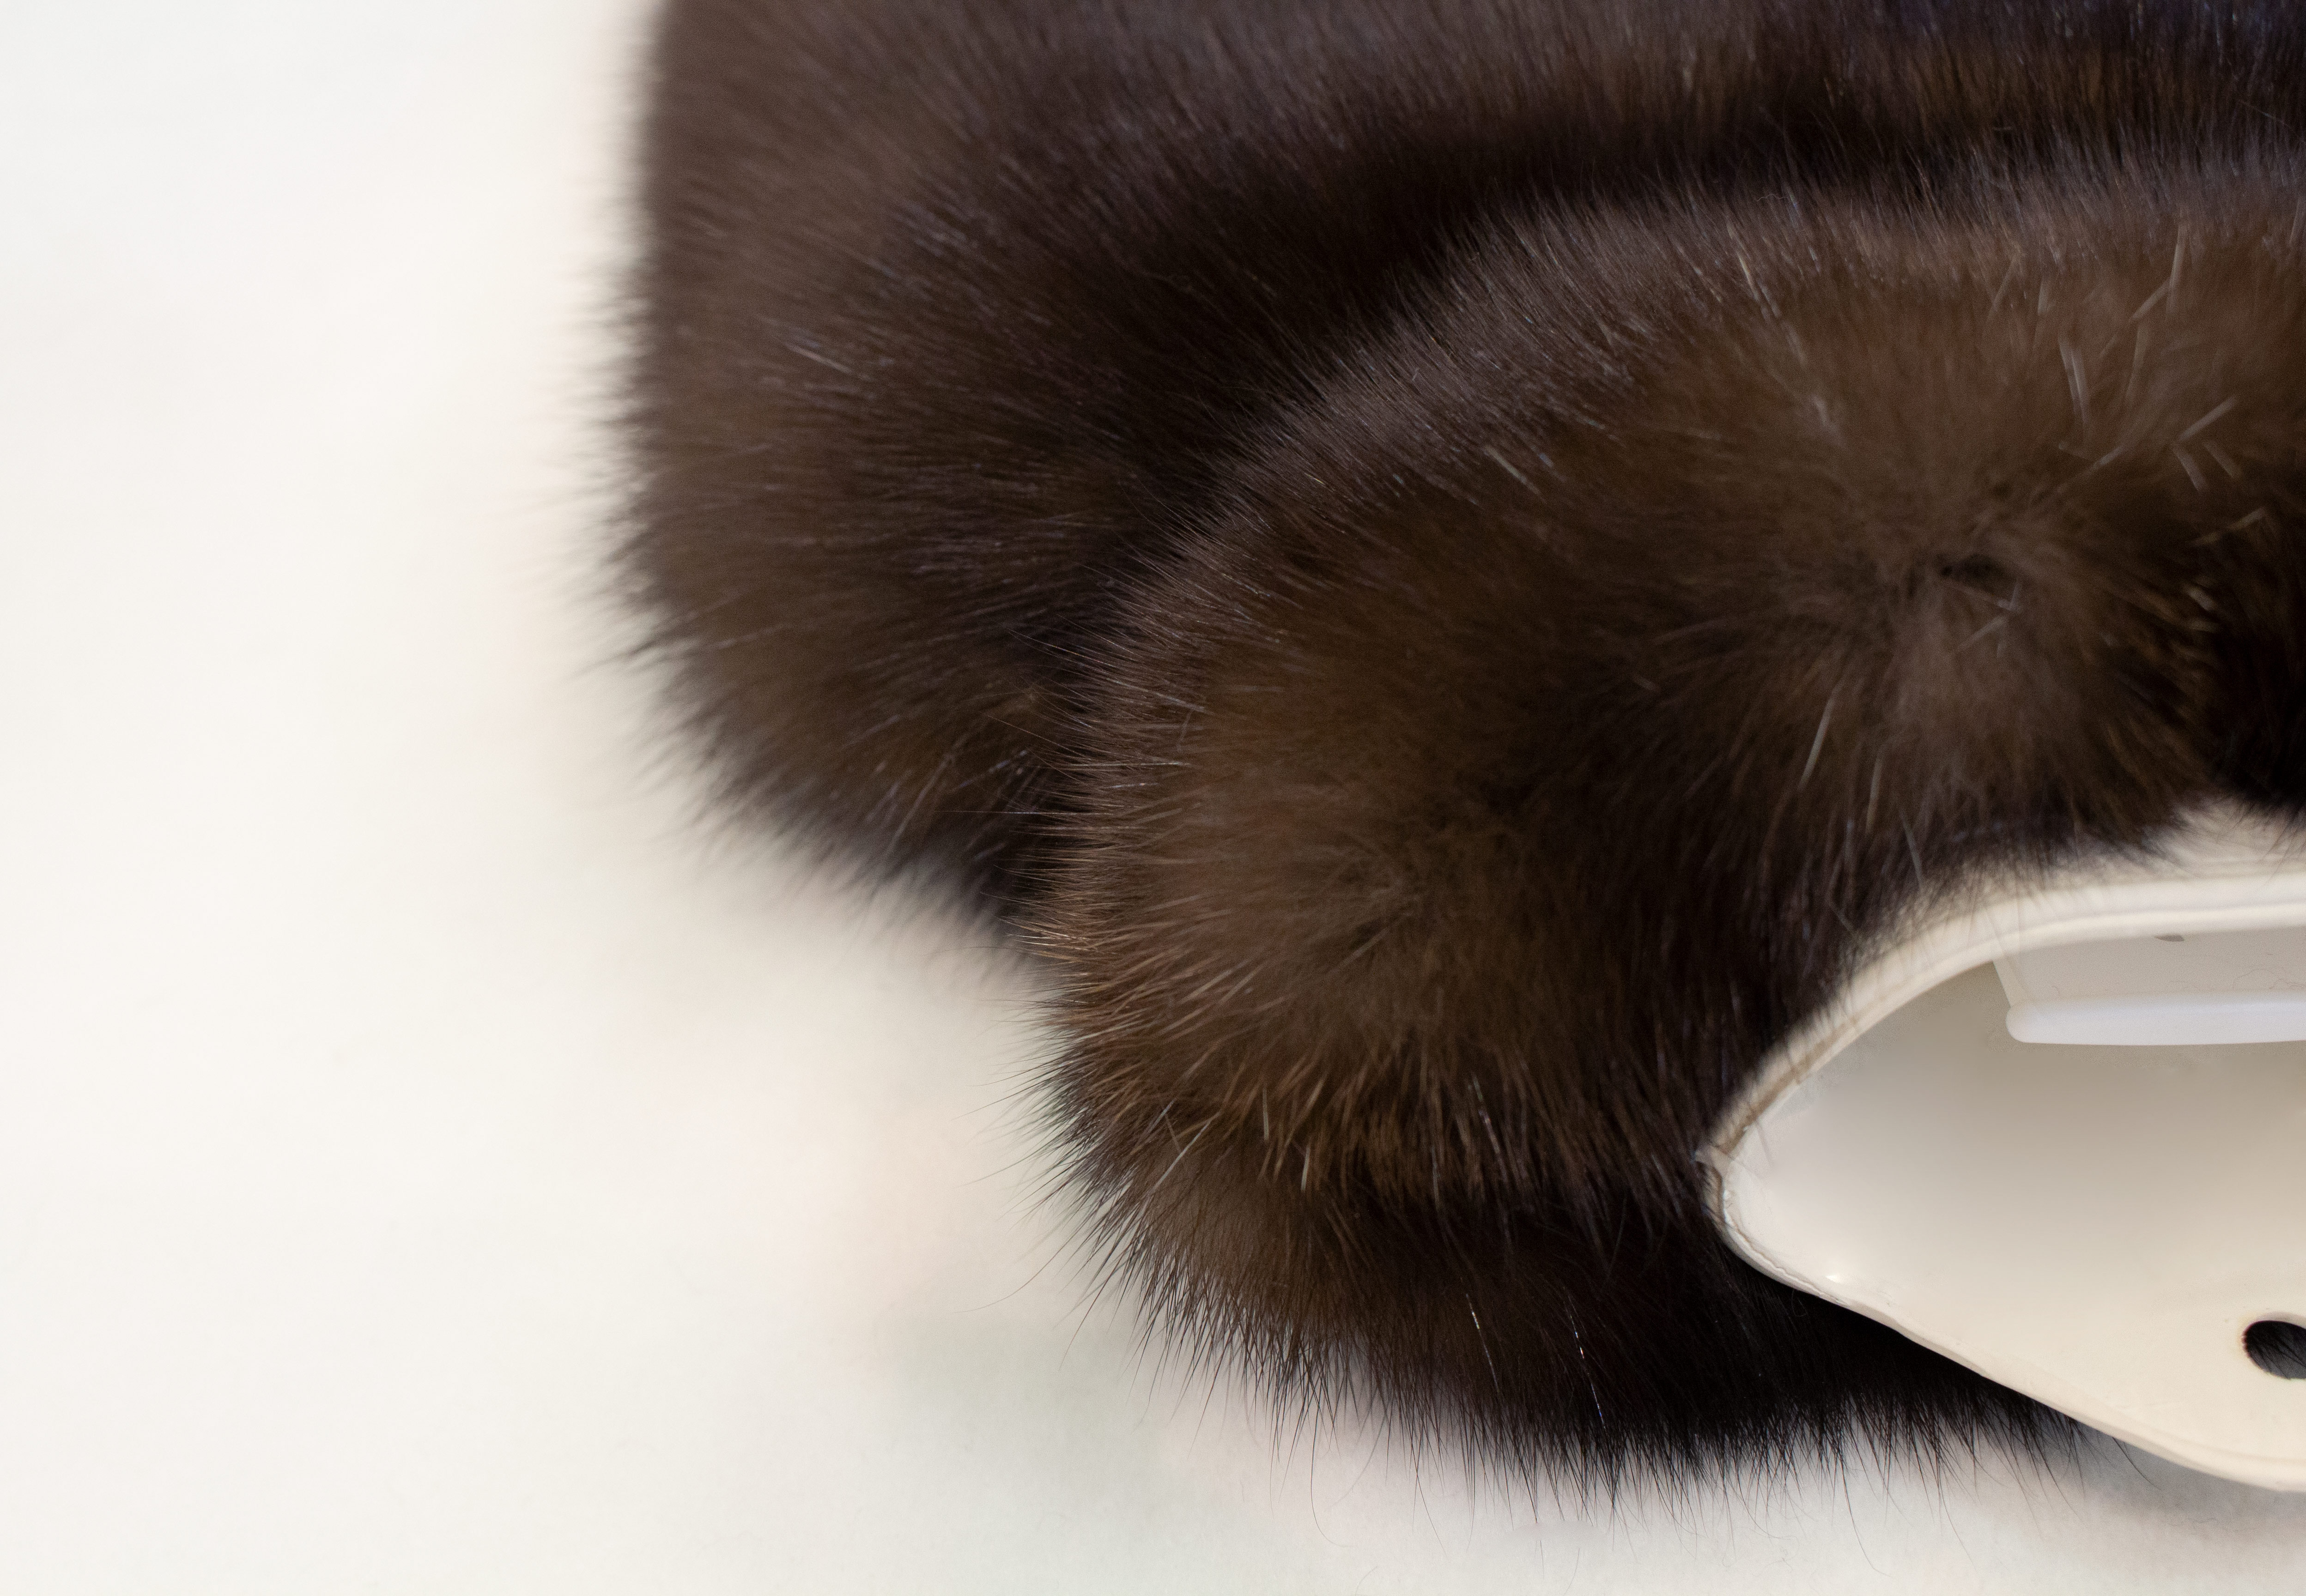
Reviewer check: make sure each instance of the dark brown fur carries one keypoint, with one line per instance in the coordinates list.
(1449, 563)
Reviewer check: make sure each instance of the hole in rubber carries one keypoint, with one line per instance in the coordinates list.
(2277, 1347)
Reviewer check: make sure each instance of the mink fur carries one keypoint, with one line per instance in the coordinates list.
(1448, 563)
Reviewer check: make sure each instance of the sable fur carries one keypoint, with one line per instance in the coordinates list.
(1449, 564)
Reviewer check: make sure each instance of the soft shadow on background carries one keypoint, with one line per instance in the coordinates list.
(430, 1161)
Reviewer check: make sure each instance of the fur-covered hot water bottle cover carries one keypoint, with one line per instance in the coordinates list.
(1448, 563)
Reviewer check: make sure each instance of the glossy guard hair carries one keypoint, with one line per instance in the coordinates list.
(1450, 565)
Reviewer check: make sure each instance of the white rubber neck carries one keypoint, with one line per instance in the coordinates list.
(2056, 1130)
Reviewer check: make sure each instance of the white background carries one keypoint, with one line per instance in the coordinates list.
(430, 1161)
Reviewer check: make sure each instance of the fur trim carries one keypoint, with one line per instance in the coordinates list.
(1450, 565)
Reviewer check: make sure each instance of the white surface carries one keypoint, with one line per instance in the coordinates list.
(2163, 990)
(426, 1164)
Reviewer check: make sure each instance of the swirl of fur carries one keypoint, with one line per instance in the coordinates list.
(1450, 565)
